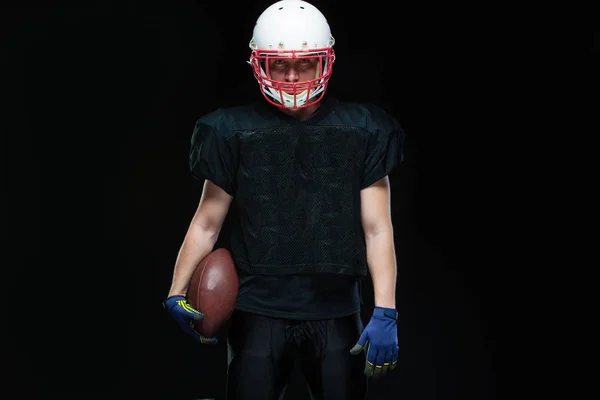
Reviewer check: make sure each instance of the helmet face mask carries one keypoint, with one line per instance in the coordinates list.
(293, 94)
(292, 34)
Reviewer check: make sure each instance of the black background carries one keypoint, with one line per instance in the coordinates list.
(102, 98)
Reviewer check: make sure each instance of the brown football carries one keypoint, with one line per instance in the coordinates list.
(213, 291)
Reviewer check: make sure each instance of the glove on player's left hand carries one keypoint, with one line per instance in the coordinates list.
(380, 342)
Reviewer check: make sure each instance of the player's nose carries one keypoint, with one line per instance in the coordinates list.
(291, 75)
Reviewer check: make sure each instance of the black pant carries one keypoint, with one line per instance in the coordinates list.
(264, 350)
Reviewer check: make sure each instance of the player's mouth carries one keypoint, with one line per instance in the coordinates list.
(291, 90)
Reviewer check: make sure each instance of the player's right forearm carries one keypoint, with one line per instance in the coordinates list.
(197, 244)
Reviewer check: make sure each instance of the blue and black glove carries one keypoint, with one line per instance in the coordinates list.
(379, 340)
(186, 316)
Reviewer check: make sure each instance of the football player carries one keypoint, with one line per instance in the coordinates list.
(308, 174)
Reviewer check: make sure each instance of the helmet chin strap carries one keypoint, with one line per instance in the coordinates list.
(300, 97)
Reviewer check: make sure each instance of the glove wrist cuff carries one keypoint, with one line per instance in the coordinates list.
(385, 312)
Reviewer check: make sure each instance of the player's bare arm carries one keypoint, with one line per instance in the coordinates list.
(379, 236)
(201, 236)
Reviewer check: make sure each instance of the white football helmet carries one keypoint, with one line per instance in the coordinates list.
(290, 29)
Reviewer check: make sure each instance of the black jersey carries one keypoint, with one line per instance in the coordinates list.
(296, 186)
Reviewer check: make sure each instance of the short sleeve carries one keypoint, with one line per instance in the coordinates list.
(384, 149)
(211, 157)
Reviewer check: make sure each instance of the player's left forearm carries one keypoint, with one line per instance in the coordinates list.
(381, 258)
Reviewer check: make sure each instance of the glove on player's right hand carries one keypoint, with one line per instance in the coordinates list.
(185, 315)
